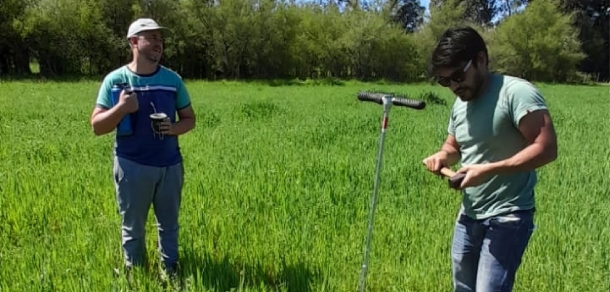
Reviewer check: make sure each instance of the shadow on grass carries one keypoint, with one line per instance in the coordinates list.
(432, 98)
(225, 275)
(37, 78)
(296, 82)
(273, 82)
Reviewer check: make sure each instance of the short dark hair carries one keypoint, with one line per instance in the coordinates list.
(457, 45)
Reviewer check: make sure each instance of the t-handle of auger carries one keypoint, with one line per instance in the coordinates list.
(396, 100)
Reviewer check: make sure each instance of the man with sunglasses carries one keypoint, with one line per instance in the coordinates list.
(501, 131)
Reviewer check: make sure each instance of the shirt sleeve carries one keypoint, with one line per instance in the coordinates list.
(524, 98)
(104, 98)
(184, 99)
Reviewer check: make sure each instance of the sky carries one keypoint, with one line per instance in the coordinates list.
(425, 3)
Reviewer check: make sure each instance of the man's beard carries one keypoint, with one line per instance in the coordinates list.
(150, 56)
(478, 85)
(474, 90)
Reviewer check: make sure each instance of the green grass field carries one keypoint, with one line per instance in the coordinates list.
(277, 194)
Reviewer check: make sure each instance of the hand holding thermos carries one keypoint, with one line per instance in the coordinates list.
(128, 101)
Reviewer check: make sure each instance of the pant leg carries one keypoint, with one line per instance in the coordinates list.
(467, 240)
(504, 245)
(135, 185)
(167, 205)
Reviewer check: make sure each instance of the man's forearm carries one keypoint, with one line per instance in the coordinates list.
(183, 126)
(533, 156)
(453, 155)
(105, 122)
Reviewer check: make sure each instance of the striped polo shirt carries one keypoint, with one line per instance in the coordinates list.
(161, 91)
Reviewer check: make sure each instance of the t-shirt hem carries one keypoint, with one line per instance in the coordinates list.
(183, 107)
(530, 110)
(500, 212)
(149, 163)
(103, 106)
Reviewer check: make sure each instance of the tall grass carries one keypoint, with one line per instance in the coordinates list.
(278, 186)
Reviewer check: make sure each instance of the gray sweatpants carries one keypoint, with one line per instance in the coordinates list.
(137, 187)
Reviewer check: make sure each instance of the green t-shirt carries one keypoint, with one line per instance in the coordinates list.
(487, 130)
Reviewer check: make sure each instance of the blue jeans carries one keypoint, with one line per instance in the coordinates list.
(487, 253)
(137, 188)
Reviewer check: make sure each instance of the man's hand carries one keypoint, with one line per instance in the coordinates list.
(165, 127)
(185, 123)
(105, 120)
(128, 102)
(447, 156)
(435, 162)
(476, 174)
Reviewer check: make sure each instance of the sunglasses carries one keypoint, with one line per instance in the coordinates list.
(457, 76)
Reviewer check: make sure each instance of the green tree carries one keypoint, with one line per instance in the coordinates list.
(538, 44)
(14, 49)
(592, 18)
(443, 15)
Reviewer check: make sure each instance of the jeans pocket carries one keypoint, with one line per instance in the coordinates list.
(513, 221)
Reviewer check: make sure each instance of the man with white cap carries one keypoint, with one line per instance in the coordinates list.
(148, 167)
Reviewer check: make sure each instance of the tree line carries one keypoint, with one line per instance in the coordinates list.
(542, 40)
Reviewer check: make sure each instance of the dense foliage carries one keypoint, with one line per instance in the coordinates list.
(543, 40)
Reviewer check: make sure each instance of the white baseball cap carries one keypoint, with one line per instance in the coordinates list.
(143, 24)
